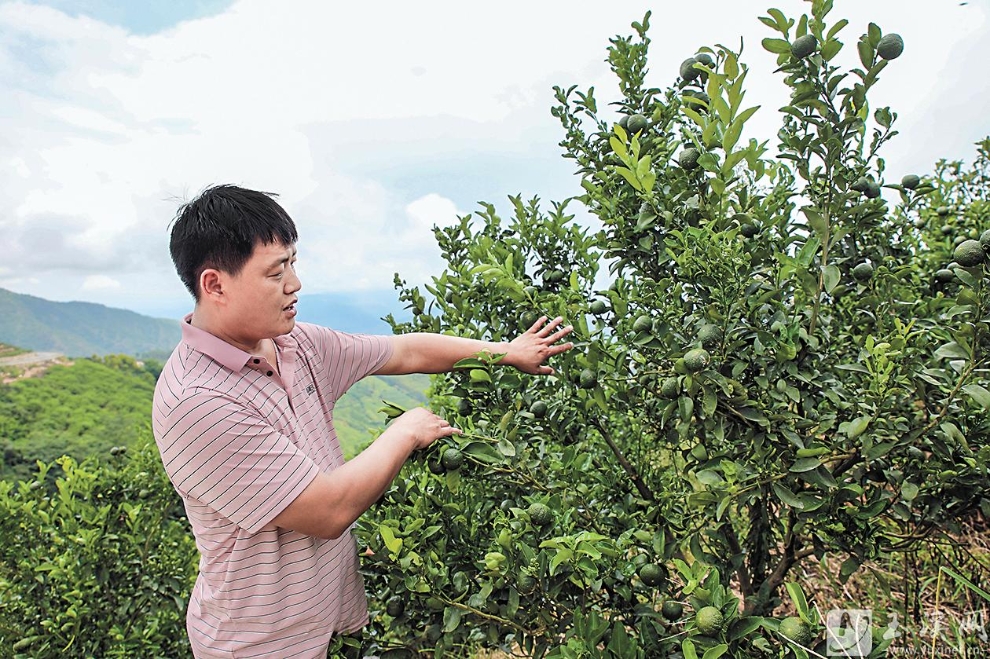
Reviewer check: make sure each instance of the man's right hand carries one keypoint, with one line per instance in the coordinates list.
(422, 426)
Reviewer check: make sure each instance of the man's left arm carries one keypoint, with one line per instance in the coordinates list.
(438, 353)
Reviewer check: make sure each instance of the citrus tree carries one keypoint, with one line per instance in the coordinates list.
(97, 559)
(781, 357)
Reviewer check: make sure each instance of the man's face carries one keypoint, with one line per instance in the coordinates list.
(261, 298)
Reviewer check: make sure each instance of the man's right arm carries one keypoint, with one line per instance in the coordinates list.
(332, 502)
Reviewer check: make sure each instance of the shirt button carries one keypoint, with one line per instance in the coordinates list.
(257, 361)
(270, 373)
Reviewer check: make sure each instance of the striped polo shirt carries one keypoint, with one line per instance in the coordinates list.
(240, 440)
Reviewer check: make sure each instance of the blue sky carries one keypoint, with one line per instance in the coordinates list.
(373, 121)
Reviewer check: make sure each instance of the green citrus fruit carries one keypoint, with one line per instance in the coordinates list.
(969, 253)
(709, 335)
(862, 272)
(643, 324)
(452, 459)
(624, 121)
(435, 467)
(709, 620)
(942, 210)
(652, 574)
(947, 229)
(688, 159)
(525, 584)
(958, 240)
(587, 379)
(891, 46)
(910, 181)
(749, 229)
(395, 607)
(920, 223)
(538, 409)
(873, 191)
(531, 291)
(540, 514)
(555, 276)
(528, 318)
(670, 388)
(638, 123)
(796, 629)
(985, 239)
(704, 58)
(944, 276)
(687, 70)
(804, 46)
(598, 307)
(672, 610)
(696, 359)
(862, 184)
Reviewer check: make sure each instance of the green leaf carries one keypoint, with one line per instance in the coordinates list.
(865, 53)
(743, 627)
(451, 619)
(856, 427)
(687, 648)
(787, 496)
(751, 414)
(716, 651)
(978, 394)
(848, 567)
(480, 375)
(778, 46)
(831, 277)
(392, 543)
(909, 491)
(797, 597)
(805, 464)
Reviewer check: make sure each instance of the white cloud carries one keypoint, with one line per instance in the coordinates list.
(430, 211)
(100, 282)
(372, 121)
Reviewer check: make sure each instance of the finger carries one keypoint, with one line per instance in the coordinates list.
(535, 327)
(561, 333)
(550, 327)
(558, 349)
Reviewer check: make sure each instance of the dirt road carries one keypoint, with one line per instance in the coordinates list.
(29, 358)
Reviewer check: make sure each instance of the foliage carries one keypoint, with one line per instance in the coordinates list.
(833, 411)
(78, 410)
(97, 560)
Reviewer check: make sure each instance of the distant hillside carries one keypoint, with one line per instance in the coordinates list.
(357, 417)
(87, 407)
(81, 329)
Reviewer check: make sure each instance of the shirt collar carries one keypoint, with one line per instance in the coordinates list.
(230, 356)
(216, 348)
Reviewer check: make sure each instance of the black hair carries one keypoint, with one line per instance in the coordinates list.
(220, 228)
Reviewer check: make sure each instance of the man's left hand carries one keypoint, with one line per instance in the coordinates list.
(528, 351)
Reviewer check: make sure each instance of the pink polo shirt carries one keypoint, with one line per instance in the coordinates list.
(240, 440)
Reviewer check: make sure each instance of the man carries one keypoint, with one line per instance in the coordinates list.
(243, 418)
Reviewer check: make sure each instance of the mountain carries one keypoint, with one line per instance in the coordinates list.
(80, 329)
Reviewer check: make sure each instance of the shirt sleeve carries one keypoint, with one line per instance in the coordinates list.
(222, 453)
(349, 357)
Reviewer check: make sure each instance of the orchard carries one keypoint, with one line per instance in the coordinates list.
(781, 359)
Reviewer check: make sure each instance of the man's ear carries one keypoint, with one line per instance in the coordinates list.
(211, 284)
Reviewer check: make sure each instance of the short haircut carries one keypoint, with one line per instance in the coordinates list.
(220, 228)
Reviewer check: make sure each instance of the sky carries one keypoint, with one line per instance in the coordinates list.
(373, 122)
